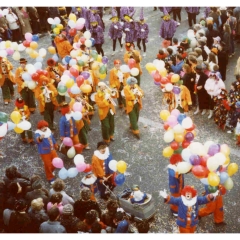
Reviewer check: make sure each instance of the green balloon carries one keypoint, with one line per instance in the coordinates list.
(3, 117)
(212, 189)
(62, 89)
(178, 151)
(103, 69)
(53, 26)
(94, 53)
(80, 63)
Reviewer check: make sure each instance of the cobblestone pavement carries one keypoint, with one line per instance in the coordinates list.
(146, 165)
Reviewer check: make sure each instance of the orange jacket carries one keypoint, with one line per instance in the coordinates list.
(113, 78)
(138, 59)
(130, 97)
(18, 79)
(53, 72)
(9, 74)
(97, 167)
(103, 105)
(63, 47)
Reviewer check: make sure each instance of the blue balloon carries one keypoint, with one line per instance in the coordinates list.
(72, 172)
(93, 41)
(55, 57)
(204, 181)
(63, 173)
(39, 59)
(77, 115)
(67, 59)
(11, 125)
(180, 117)
(119, 179)
(35, 38)
(223, 177)
(64, 62)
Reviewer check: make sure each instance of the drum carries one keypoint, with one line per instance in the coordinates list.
(122, 93)
(92, 97)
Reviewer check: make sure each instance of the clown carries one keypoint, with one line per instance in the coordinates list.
(133, 94)
(115, 31)
(188, 205)
(63, 46)
(142, 32)
(129, 29)
(137, 196)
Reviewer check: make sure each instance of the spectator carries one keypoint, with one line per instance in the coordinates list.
(24, 20)
(179, 63)
(121, 223)
(5, 32)
(63, 45)
(56, 200)
(34, 18)
(43, 12)
(37, 214)
(91, 217)
(177, 13)
(143, 227)
(192, 13)
(10, 204)
(52, 225)
(80, 227)
(227, 38)
(232, 22)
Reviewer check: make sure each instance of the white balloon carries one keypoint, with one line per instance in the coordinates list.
(2, 45)
(88, 43)
(55, 57)
(24, 125)
(193, 43)
(14, 46)
(3, 53)
(72, 172)
(125, 68)
(87, 34)
(178, 129)
(221, 158)
(50, 21)
(77, 115)
(168, 136)
(78, 159)
(3, 130)
(42, 52)
(32, 84)
(81, 20)
(16, 56)
(38, 65)
(39, 59)
(84, 58)
(184, 167)
(186, 153)
(21, 47)
(71, 24)
(190, 33)
(64, 78)
(212, 164)
(72, 62)
(187, 122)
(57, 20)
(197, 148)
(134, 71)
(169, 87)
(26, 76)
(113, 165)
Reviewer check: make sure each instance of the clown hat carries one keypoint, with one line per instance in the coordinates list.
(19, 103)
(128, 45)
(166, 15)
(126, 16)
(114, 14)
(93, 19)
(22, 60)
(141, 17)
(131, 80)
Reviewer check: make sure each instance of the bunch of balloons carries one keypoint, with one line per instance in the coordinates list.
(56, 25)
(72, 149)
(20, 124)
(121, 167)
(75, 24)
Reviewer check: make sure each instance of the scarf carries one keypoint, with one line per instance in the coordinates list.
(187, 202)
(100, 155)
(46, 134)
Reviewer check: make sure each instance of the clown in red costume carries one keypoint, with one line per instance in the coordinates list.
(187, 207)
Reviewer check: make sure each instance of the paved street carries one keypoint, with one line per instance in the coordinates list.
(146, 165)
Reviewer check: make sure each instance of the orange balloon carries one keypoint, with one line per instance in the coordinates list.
(33, 45)
(178, 137)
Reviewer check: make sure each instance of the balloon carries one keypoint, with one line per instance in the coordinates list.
(186, 153)
(33, 45)
(87, 34)
(67, 141)
(175, 78)
(159, 64)
(81, 20)
(57, 21)
(57, 162)
(183, 167)
(197, 148)
(168, 136)
(50, 21)
(212, 164)
(187, 122)
(189, 136)
(175, 158)
(78, 159)
(86, 88)
(168, 87)
(227, 161)
(88, 168)
(3, 129)
(223, 177)
(3, 53)
(213, 149)
(81, 166)
(119, 179)
(16, 117)
(150, 67)
(232, 169)
(77, 106)
(75, 89)
(167, 152)
(225, 149)
(175, 112)
(51, 50)
(157, 77)
(125, 68)
(185, 144)
(74, 72)
(35, 38)
(195, 159)
(228, 184)
(3, 117)
(71, 152)
(63, 173)
(62, 90)
(212, 189)
(164, 114)
(34, 54)
(204, 181)
(72, 32)
(9, 51)
(16, 56)
(79, 26)
(178, 129)
(221, 158)
(85, 75)
(80, 80)
(134, 72)
(131, 63)
(55, 57)
(72, 172)
(26, 43)
(69, 83)
(172, 121)
(10, 126)
(28, 36)
(165, 126)
(25, 125)
(77, 116)
(200, 171)
(180, 117)
(178, 137)
(78, 148)
(174, 145)
(213, 179)
(42, 52)
(99, 58)
(103, 69)
(203, 160)
(163, 72)
(207, 145)
(121, 166)
(222, 189)
(113, 165)
(176, 90)
(37, 66)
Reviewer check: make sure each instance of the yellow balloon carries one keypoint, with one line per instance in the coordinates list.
(56, 30)
(71, 152)
(51, 50)
(69, 83)
(95, 66)
(86, 88)
(15, 116)
(225, 149)
(99, 58)
(175, 78)
(18, 130)
(213, 179)
(164, 114)
(34, 54)
(167, 152)
(232, 169)
(227, 161)
(33, 45)
(72, 17)
(228, 184)
(121, 166)
(60, 26)
(8, 44)
(163, 72)
(150, 67)
(102, 76)
(179, 137)
(29, 50)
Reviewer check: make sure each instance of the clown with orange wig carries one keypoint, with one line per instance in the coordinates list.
(188, 205)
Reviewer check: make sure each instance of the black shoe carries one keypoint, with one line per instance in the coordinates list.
(220, 224)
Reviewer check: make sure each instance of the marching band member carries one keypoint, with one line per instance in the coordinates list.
(106, 110)
(133, 94)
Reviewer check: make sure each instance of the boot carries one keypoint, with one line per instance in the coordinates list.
(210, 114)
(204, 111)
(196, 112)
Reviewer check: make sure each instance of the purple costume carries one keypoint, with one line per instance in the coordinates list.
(115, 33)
(124, 10)
(168, 28)
(140, 34)
(97, 34)
(130, 35)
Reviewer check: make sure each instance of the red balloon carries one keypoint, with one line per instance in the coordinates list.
(199, 171)
(203, 160)
(39, 71)
(88, 168)
(72, 32)
(164, 80)
(157, 77)
(45, 73)
(26, 43)
(185, 144)
(222, 189)
(82, 40)
(74, 72)
(165, 126)
(191, 128)
(131, 63)
(79, 148)
(80, 80)
(175, 158)
(169, 76)
(174, 145)
(35, 76)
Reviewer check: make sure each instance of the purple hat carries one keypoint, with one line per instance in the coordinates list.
(114, 14)
(141, 17)
(92, 19)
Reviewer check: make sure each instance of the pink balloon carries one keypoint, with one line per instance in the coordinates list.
(68, 142)
(10, 51)
(175, 112)
(172, 121)
(28, 37)
(153, 73)
(79, 26)
(77, 106)
(57, 163)
(81, 166)
(67, 72)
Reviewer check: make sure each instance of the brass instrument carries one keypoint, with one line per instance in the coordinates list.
(137, 92)
(109, 98)
(79, 99)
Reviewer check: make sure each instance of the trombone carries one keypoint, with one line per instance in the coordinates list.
(80, 99)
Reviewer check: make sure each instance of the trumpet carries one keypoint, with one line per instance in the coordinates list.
(137, 92)
(112, 90)
(79, 99)
(106, 91)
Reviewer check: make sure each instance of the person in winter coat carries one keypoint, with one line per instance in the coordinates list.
(122, 224)
(34, 18)
(24, 20)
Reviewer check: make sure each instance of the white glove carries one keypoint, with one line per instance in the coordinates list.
(122, 23)
(216, 193)
(107, 96)
(115, 26)
(127, 29)
(163, 193)
(142, 30)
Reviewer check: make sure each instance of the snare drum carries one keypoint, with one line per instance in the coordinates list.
(92, 97)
